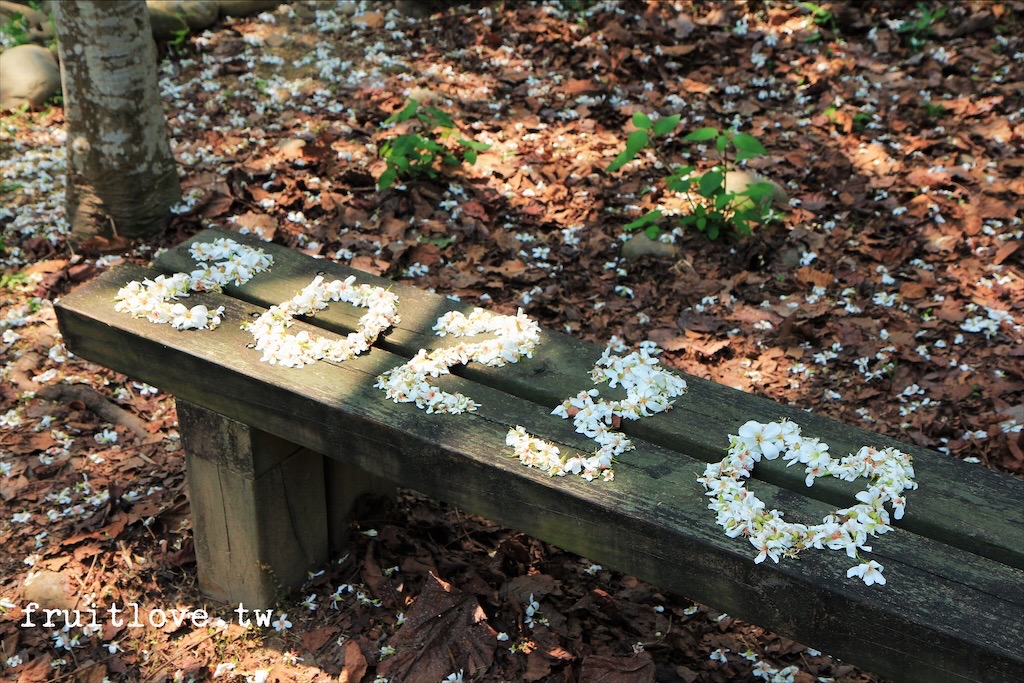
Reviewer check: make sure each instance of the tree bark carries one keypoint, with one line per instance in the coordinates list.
(121, 177)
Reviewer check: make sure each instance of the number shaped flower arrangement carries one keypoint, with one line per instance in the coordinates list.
(296, 350)
(515, 336)
(152, 299)
(741, 513)
(649, 389)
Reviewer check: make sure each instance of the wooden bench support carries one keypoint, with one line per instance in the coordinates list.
(264, 511)
(345, 485)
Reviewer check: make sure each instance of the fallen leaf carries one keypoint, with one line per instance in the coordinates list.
(602, 669)
(445, 630)
(355, 664)
(1004, 252)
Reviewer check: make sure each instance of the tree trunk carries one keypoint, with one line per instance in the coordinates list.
(121, 177)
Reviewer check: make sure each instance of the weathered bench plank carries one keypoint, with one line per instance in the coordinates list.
(945, 615)
(963, 505)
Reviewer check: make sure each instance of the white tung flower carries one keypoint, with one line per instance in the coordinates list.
(514, 337)
(649, 389)
(280, 347)
(740, 513)
(155, 300)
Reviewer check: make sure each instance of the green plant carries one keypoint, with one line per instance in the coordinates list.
(17, 30)
(415, 154)
(576, 6)
(935, 111)
(13, 281)
(821, 16)
(14, 31)
(917, 31)
(716, 205)
(181, 36)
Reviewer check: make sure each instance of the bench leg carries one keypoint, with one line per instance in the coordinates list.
(345, 484)
(259, 508)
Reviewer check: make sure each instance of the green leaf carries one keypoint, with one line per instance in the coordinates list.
(723, 199)
(402, 145)
(742, 224)
(720, 143)
(473, 144)
(758, 191)
(442, 242)
(436, 117)
(652, 232)
(677, 185)
(665, 125)
(470, 156)
(428, 144)
(404, 114)
(387, 178)
(634, 143)
(748, 143)
(642, 121)
(702, 223)
(702, 135)
(648, 218)
(710, 183)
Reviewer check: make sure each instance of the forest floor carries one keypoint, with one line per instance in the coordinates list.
(888, 294)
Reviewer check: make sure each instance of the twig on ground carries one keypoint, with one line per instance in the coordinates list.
(97, 403)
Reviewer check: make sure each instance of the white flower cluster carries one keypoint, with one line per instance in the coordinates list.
(224, 261)
(515, 336)
(649, 390)
(741, 513)
(296, 350)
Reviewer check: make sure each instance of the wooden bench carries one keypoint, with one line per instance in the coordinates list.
(277, 455)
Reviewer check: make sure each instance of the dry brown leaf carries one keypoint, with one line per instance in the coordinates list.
(355, 665)
(445, 631)
(602, 669)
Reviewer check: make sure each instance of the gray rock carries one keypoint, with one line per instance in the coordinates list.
(739, 181)
(51, 590)
(246, 8)
(641, 245)
(168, 17)
(166, 26)
(346, 8)
(28, 74)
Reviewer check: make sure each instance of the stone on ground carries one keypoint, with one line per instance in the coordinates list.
(640, 245)
(246, 8)
(28, 75)
(168, 17)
